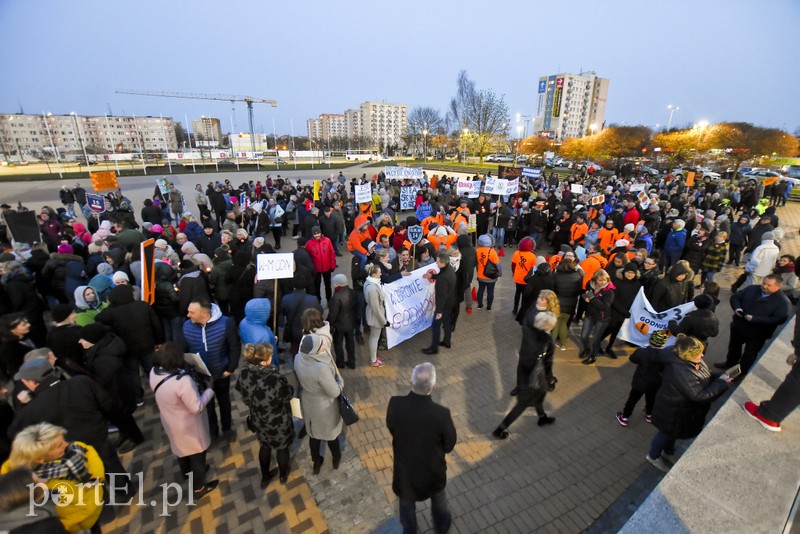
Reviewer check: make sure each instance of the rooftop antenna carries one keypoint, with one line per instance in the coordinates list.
(110, 113)
(21, 111)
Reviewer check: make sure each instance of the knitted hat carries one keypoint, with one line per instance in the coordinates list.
(64, 248)
(315, 230)
(622, 243)
(659, 338)
(61, 312)
(485, 240)
(703, 302)
(161, 244)
(339, 280)
(105, 268)
(118, 276)
(630, 266)
(94, 247)
(767, 235)
(371, 246)
(147, 225)
(157, 228)
(629, 228)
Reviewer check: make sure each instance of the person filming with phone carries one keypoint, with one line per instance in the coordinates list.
(682, 403)
(758, 311)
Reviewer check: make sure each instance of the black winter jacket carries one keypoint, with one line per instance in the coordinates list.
(684, 399)
(768, 312)
(568, 288)
(599, 307)
(701, 324)
(625, 292)
(342, 310)
(669, 292)
(132, 320)
(650, 363)
(445, 290)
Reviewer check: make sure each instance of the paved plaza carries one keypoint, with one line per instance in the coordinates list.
(560, 478)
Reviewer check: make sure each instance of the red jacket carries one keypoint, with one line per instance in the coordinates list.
(632, 217)
(322, 254)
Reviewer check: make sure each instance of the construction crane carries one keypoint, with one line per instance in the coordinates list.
(248, 100)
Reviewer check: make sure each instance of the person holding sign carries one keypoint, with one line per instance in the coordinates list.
(444, 297)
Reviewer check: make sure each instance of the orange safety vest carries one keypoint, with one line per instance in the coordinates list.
(577, 231)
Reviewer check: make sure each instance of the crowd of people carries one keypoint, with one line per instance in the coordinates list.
(79, 343)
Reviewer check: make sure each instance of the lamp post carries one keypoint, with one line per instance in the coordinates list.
(519, 141)
(53, 144)
(425, 145)
(701, 127)
(672, 109)
(592, 128)
(80, 139)
(465, 134)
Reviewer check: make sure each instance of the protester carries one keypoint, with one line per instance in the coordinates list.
(650, 362)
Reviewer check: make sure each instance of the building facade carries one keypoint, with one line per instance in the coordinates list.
(70, 134)
(570, 105)
(207, 131)
(382, 123)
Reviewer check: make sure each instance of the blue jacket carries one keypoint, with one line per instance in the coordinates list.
(768, 312)
(676, 241)
(254, 329)
(648, 242)
(423, 211)
(217, 342)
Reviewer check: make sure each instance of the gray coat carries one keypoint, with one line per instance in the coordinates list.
(376, 310)
(320, 385)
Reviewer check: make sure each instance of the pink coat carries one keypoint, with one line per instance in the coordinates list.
(183, 413)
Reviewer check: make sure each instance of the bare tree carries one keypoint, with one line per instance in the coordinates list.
(481, 112)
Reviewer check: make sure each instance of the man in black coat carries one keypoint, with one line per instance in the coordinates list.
(209, 241)
(445, 293)
(139, 327)
(422, 433)
(342, 318)
(758, 311)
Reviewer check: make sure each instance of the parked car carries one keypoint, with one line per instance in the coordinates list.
(504, 159)
(585, 166)
(707, 173)
(491, 157)
(522, 160)
(647, 172)
(792, 171)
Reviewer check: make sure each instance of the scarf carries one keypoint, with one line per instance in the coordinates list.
(71, 466)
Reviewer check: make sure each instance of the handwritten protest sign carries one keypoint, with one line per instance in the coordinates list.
(363, 193)
(468, 188)
(576, 188)
(403, 173)
(410, 303)
(599, 199)
(274, 266)
(512, 186)
(408, 196)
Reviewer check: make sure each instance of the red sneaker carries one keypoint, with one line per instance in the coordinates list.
(751, 409)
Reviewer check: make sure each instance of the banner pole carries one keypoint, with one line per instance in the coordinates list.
(275, 311)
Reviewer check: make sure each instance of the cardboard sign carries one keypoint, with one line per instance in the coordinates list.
(363, 194)
(637, 187)
(316, 189)
(274, 266)
(530, 172)
(408, 196)
(468, 188)
(576, 188)
(23, 226)
(690, 178)
(148, 266)
(643, 198)
(512, 186)
(472, 225)
(599, 199)
(410, 303)
(414, 234)
(104, 180)
(163, 186)
(96, 202)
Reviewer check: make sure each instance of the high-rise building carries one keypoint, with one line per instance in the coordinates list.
(98, 134)
(382, 123)
(207, 131)
(570, 105)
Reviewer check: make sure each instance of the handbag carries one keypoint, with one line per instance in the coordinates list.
(346, 410)
(538, 379)
(490, 270)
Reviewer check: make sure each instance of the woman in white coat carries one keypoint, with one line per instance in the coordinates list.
(376, 311)
(320, 386)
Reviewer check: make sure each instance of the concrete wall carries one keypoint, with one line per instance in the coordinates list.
(736, 476)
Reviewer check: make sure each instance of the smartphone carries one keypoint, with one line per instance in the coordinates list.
(734, 371)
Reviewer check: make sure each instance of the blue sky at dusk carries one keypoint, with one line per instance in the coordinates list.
(718, 60)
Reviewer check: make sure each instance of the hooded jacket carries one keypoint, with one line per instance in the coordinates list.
(599, 307)
(356, 237)
(254, 328)
(469, 261)
(217, 342)
(763, 258)
(669, 292)
(88, 311)
(192, 286)
(56, 270)
(740, 232)
(191, 253)
(675, 243)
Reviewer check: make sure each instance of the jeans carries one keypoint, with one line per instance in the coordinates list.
(785, 399)
(489, 288)
(446, 321)
(661, 443)
(349, 339)
(196, 465)
(592, 330)
(707, 276)
(535, 236)
(222, 395)
(499, 236)
(439, 512)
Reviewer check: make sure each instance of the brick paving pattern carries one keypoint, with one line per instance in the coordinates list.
(555, 479)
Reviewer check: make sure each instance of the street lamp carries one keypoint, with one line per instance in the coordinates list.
(425, 145)
(672, 109)
(465, 133)
(80, 139)
(519, 141)
(592, 128)
(701, 127)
